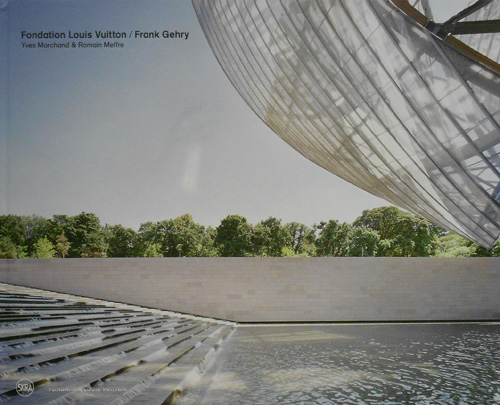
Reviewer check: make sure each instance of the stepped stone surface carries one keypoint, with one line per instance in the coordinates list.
(80, 350)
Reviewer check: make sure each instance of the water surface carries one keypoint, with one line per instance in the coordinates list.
(355, 364)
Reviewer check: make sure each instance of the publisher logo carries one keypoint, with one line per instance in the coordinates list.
(25, 387)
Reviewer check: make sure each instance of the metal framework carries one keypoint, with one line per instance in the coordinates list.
(363, 89)
(453, 26)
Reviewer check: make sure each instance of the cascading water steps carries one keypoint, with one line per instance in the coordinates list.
(79, 350)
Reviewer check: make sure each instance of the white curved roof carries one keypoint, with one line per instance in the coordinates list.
(363, 90)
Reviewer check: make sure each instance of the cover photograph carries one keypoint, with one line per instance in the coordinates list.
(233, 202)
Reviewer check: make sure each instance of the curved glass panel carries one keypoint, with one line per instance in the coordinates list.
(487, 44)
(361, 89)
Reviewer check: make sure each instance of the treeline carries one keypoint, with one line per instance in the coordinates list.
(385, 231)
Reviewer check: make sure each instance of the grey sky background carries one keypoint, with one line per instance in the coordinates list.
(146, 132)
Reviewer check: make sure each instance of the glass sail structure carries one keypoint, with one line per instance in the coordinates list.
(363, 89)
(486, 43)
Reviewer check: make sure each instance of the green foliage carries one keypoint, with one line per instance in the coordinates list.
(62, 245)
(94, 246)
(363, 242)
(289, 252)
(153, 250)
(11, 226)
(44, 249)
(400, 233)
(302, 239)
(36, 228)
(8, 249)
(480, 251)
(207, 244)
(269, 238)
(58, 224)
(233, 237)
(333, 238)
(342, 239)
(82, 231)
(495, 250)
(385, 231)
(453, 245)
(185, 237)
(79, 231)
(146, 236)
(121, 241)
(176, 237)
(24, 231)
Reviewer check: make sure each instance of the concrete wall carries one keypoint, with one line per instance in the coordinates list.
(279, 289)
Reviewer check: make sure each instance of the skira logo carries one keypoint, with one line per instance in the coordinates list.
(25, 387)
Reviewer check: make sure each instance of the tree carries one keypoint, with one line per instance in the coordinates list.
(480, 251)
(400, 233)
(161, 231)
(24, 231)
(259, 237)
(495, 250)
(94, 245)
(121, 241)
(363, 242)
(11, 226)
(333, 238)
(177, 237)
(44, 249)
(62, 245)
(57, 225)
(453, 245)
(207, 243)
(147, 236)
(302, 239)
(233, 237)
(8, 249)
(185, 237)
(35, 228)
(152, 250)
(270, 238)
(81, 231)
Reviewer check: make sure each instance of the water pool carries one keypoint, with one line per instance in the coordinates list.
(354, 364)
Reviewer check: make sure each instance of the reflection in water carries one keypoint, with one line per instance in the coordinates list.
(352, 364)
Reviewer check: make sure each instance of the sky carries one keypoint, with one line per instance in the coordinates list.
(146, 132)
